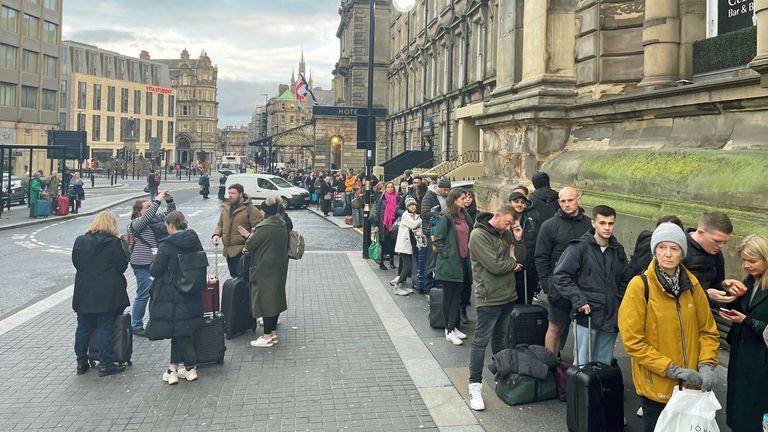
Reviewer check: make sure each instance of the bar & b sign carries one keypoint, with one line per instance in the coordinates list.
(734, 15)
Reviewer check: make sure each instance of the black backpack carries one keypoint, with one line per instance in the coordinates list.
(193, 271)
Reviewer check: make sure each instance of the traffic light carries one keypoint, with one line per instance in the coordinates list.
(121, 153)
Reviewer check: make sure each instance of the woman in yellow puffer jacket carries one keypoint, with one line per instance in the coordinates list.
(667, 328)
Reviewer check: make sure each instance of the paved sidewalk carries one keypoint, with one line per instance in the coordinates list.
(335, 368)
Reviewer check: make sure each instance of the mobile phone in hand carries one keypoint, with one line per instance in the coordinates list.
(726, 311)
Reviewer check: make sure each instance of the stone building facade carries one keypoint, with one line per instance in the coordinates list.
(30, 67)
(649, 105)
(102, 90)
(233, 141)
(196, 107)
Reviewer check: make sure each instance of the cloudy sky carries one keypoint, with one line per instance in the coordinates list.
(254, 43)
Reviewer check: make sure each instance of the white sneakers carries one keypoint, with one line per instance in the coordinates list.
(188, 374)
(476, 396)
(453, 338)
(395, 281)
(171, 377)
(400, 291)
(459, 334)
(262, 342)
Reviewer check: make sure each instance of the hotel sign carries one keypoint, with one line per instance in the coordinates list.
(159, 90)
(336, 111)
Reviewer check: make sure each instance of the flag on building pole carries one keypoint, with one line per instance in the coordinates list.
(302, 89)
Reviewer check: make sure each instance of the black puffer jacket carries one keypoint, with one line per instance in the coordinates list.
(531, 224)
(587, 275)
(430, 200)
(99, 282)
(554, 236)
(643, 255)
(173, 313)
(544, 199)
(708, 269)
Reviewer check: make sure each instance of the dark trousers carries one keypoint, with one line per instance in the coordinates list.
(452, 293)
(406, 268)
(233, 263)
(651, 412)
(387, 240)
(104, 325)
(491, 326)
(183, 351)
(326, 204)
(270, 324)
(429, 267)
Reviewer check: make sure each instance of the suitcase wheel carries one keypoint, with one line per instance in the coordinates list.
(129, 363)
(220, 361)
(92, 363)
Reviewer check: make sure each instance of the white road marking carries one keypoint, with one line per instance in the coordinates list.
(34, 310)
(28, 245)
(19, 236)
(58, 251)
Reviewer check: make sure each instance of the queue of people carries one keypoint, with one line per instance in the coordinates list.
(673, 277)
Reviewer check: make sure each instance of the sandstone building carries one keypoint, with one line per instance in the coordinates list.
(196, 107)
(101, 91)
(650, 105)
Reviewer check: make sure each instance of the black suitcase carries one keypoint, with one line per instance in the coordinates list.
(595, 395)
(123, 348)
(236, 307)
(527, 323)
(436, 319)
(209, 340)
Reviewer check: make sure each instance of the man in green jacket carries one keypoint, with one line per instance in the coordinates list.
(496, 247)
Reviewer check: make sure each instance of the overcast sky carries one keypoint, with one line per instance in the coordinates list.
(254, 43)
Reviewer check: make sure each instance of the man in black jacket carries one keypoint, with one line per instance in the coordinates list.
(569, 223)
(544, 199)
(592, 274)
(431, 205)
(530, 222)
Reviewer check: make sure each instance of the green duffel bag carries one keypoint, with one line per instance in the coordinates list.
(518, 389)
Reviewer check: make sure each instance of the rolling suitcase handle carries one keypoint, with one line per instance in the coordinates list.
(216, 259)
(576, 339)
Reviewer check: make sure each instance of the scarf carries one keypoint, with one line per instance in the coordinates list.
(390, 211)
(671, 284)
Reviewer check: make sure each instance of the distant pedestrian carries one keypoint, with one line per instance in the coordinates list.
(100, 290)
(326, 194)
(268, 247)
(747, 372)
(530, 222)
(175, 314)
(76, 193)
(238, 211)
(406, 246)
(386, 215)
(35, 185)
(452, 267)
(667, 328)
(54, 189)
(432, 204)
(142, 243)
(153, 183)
(544, 199)
(205, 185)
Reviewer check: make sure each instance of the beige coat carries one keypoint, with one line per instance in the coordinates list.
(229, 221)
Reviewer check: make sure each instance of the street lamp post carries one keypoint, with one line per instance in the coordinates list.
(403, 6)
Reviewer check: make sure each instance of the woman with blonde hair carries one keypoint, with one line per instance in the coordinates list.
(747, 372)
(100, 290)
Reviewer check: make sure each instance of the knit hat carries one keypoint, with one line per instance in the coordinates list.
(669, 232)
(444, 183)
(540, 180)
(409, 200)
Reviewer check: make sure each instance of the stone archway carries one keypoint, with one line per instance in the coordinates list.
(183, 150)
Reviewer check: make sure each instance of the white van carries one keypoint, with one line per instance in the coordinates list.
(260, 186)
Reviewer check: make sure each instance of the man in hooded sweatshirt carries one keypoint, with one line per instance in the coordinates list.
(544, 199)
(496, 246)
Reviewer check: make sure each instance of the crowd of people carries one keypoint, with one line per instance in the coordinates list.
(52, 187)
(154, 243)
(660, 299)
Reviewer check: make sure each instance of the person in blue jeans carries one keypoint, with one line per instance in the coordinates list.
(142, 244)
(100, 290)
(592, 274)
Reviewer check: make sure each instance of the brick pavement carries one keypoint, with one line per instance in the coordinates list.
(334, 369)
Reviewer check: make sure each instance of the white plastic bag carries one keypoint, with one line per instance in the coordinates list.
(689, 410)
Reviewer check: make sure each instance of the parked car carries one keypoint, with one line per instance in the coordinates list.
(18, 193)
(259, 186)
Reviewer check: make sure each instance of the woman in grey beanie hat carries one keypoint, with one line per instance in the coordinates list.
(667, 327)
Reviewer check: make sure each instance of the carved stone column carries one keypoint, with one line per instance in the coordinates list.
(661, 43)
(760, 62)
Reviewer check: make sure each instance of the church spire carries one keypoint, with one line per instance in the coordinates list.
(301, 62)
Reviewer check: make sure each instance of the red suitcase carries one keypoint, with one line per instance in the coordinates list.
(211, 295)
(62, 205)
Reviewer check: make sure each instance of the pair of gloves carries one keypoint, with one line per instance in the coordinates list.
(704, 378)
